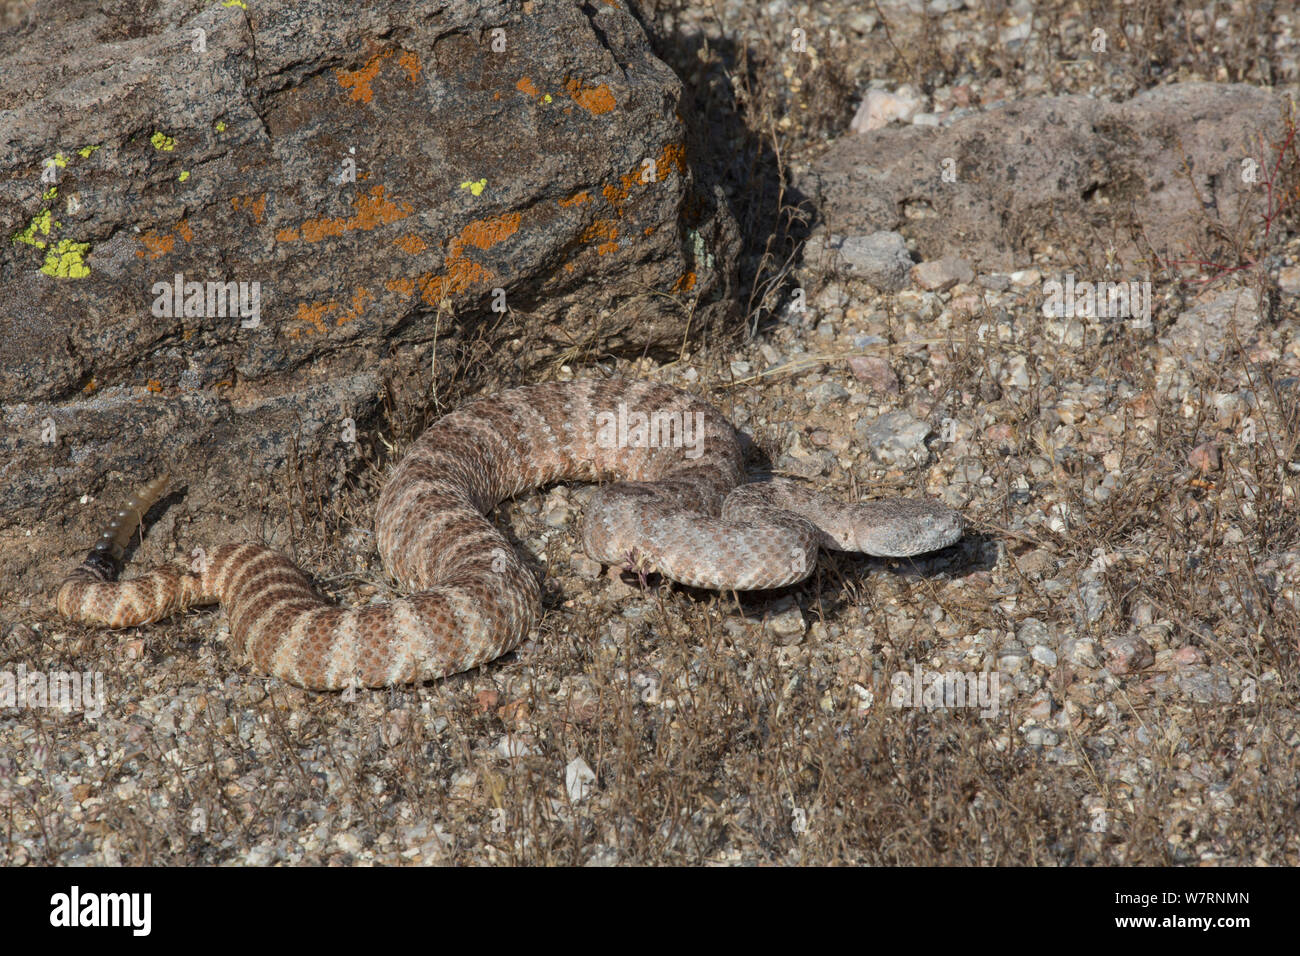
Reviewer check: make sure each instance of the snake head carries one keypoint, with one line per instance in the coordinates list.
(904, 527)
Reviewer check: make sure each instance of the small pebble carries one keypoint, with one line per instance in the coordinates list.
(1128, 654)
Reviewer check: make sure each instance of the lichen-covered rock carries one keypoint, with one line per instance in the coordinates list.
(223, 221)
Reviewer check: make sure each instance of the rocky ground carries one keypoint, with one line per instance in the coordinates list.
(1126, 590)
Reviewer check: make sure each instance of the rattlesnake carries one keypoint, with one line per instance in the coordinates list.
(679, 506)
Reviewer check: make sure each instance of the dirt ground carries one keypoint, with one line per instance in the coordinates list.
(1125, 591)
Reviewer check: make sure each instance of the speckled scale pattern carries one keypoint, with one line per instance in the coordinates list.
(678, 506)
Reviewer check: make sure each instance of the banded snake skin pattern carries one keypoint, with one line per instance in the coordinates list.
(680, 507)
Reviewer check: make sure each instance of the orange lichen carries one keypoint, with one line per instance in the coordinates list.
(256, 206)
(459, 277)
(672, 156)
(158, 244)
(361, 297)
(604, 232)
(155, 245)
(314, 230)
(372, 210)
(615, 196)
(154, 386)
(594, 99)
(525, 85)
(410, 62)
(314, 314)
(460, 273)
(358, 81)
(411, 244)
(605, 229)
(486, 233)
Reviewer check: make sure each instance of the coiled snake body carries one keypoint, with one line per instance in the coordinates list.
(678, 506)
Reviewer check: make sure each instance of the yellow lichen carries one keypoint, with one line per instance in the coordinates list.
(41, 223)
(67, 260)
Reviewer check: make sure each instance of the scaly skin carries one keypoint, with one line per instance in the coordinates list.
(679, 508)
